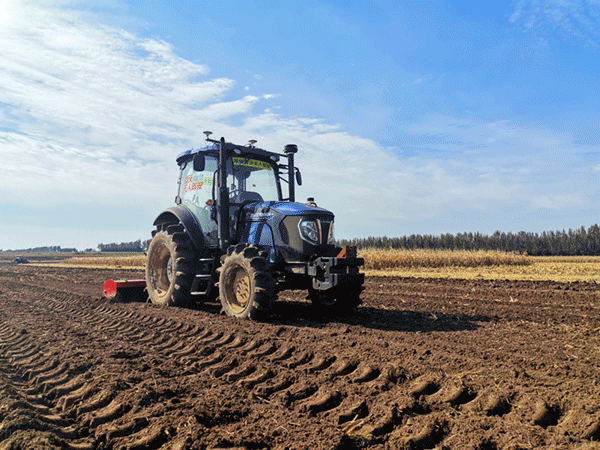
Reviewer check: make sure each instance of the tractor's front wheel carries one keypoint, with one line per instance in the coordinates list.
(170, 266)
(245, 283)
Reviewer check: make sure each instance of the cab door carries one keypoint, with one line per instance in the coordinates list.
(195, 193)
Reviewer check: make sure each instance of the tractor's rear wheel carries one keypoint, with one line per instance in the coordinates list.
(170, 266)
(245, 283)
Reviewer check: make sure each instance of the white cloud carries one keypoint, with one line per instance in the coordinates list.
(507, 163)
(75, 75)
(220, 111)
(579, 19)
(92, 118)
(367, 185)
(6, 11)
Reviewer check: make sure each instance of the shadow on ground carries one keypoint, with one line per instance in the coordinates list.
(304, 315)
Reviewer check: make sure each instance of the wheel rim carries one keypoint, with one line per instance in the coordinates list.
(238, 289)
(169, 269)
(162, 268)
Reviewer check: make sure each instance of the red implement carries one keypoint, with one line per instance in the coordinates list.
(124, 289)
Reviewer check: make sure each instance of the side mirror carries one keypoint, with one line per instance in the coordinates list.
(199, 162)
(298, 177)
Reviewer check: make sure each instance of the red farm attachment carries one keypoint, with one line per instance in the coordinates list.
(125, 290)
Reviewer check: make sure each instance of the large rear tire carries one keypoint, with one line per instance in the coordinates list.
(245, 283)
(170, 266)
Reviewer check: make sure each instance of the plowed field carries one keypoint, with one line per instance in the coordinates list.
(425, 363)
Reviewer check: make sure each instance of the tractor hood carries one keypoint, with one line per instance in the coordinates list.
(294, 231)
(264, 210)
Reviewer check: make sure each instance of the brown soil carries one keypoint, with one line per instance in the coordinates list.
(425, 363)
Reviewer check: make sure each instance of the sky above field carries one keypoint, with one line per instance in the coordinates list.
(410, 117)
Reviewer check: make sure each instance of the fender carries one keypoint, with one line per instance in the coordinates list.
(184, 216)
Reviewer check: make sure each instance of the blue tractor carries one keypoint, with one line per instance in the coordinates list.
(236, 234)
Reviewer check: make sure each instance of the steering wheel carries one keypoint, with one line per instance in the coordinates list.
(234, 193)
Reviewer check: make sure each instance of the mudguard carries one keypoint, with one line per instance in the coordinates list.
(184, 216)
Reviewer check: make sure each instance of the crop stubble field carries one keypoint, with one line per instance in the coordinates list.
(427, 362)
(490, 265)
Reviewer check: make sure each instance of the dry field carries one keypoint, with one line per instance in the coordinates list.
(481, 265)
(81, 260)
(378, 259)
(486, 265)
(119, 261)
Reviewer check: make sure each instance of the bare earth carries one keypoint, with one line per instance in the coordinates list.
(425, 363)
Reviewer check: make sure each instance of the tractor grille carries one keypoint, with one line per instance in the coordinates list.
(294, 248)
(324, 227)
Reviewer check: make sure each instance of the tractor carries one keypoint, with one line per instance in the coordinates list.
(237, 235)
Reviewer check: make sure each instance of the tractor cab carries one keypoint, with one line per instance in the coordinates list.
(249, 179)
(252, 175)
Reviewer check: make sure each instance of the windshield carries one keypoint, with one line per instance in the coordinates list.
(251, 180)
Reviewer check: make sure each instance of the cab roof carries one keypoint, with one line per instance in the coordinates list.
(232, 149)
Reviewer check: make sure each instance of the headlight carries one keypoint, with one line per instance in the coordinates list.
(309, 231)
(331, 238)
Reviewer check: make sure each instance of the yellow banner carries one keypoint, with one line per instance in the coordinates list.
(252, 163)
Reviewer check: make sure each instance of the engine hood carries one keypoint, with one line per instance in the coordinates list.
(265, 210)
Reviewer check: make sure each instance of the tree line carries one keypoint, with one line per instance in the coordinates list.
(581, 241)
(44, 249)
(135, 246)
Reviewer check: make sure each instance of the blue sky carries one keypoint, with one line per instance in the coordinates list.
(411, 118)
